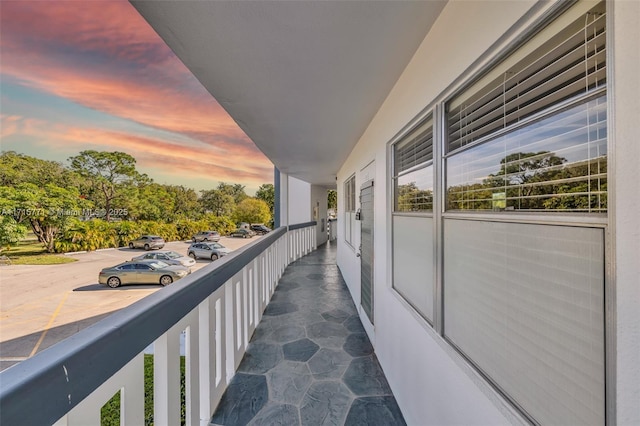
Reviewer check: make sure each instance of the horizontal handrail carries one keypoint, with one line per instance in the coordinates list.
(58, 378)
(302, 225)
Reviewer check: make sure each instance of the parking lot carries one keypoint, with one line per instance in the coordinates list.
(41, 305)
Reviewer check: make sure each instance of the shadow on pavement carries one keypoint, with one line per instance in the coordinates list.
(21, 347)
(124, 287)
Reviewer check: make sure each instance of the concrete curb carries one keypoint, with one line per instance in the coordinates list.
(74, 252)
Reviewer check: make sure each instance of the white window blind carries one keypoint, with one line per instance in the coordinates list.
(566, 59)
(413, 171)
(525, 304)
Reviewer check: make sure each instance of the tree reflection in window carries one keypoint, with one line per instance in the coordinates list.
(570, 177)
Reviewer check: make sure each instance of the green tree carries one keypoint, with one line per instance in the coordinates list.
(237, 191)
(107, 173)
(332, 199)
(185, 202)
(217, 202)
(252, 210)
(267, 193)
(10, 231)
(19, 168)
(46, 209)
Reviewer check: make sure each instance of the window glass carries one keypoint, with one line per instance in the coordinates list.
(556, 164)
(413, 169)
(414, 191)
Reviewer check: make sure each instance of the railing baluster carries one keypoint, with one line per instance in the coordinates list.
(166, 378)
(218, 330)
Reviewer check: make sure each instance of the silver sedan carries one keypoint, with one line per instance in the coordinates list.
(142, 272)
(170, 257)
(211, 251)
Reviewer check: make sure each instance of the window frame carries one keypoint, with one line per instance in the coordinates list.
(539, 17)
(350, 210)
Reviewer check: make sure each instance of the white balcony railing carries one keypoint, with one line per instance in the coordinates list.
(217, 308)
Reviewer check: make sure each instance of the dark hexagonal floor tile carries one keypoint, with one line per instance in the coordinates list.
(325, 403)
(326, 329)
(329, 364)
(289, 381)
(354, 324)
(245, 396)
(277, 414)
(315, 277)
(335, 315)
(287, 333)
(286, 285)
(357, 345)
(375, 410)
(260, 357)
(365, 377)
(300, 350)
(280, 308)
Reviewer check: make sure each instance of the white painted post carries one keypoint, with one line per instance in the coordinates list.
(192, 369)
(166, 378)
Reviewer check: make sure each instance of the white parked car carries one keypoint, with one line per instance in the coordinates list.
(170, 257)
(211, 251)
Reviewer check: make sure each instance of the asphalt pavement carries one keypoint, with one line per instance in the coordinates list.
(43, 304)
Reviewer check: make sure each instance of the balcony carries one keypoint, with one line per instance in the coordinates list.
(309, 360)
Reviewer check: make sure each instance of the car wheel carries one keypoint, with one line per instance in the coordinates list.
(113, 282)
(214, 257)
(146, 247)
(166, 280)
(192, 255)
(131, 245)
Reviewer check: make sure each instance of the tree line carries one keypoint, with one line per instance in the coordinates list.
(524, 181)
(101, 200)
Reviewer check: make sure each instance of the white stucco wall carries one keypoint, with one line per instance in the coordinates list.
(432, 383)
(319, 201)
(299, 200)
(625, 104)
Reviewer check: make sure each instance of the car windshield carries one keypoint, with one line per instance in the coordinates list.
(173, 255)
(158, 264)
(216, 245)
(156, 238)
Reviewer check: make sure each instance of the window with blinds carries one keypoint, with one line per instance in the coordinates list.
(532, 133)
(350, 209)
(413, 171)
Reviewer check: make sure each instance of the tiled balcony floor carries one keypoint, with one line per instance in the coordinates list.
(309, 361)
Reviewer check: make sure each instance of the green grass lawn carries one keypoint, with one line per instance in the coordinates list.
(31, 252)
(110, 412)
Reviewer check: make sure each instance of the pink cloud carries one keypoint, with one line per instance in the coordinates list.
(104, 56)
(168, 157)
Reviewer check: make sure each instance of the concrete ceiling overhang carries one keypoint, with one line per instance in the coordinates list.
(302, 79)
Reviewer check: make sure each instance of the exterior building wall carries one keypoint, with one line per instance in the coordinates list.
(626, 225)
(432, 382)
(295, 200)
(319, 212)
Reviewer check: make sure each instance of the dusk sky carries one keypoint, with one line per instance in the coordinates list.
(77, 75)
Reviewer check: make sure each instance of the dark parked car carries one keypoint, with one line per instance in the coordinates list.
(206, 236)
(147, 242)
(142, 272)
(211, 251)
(241, 233)
(260, 229)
